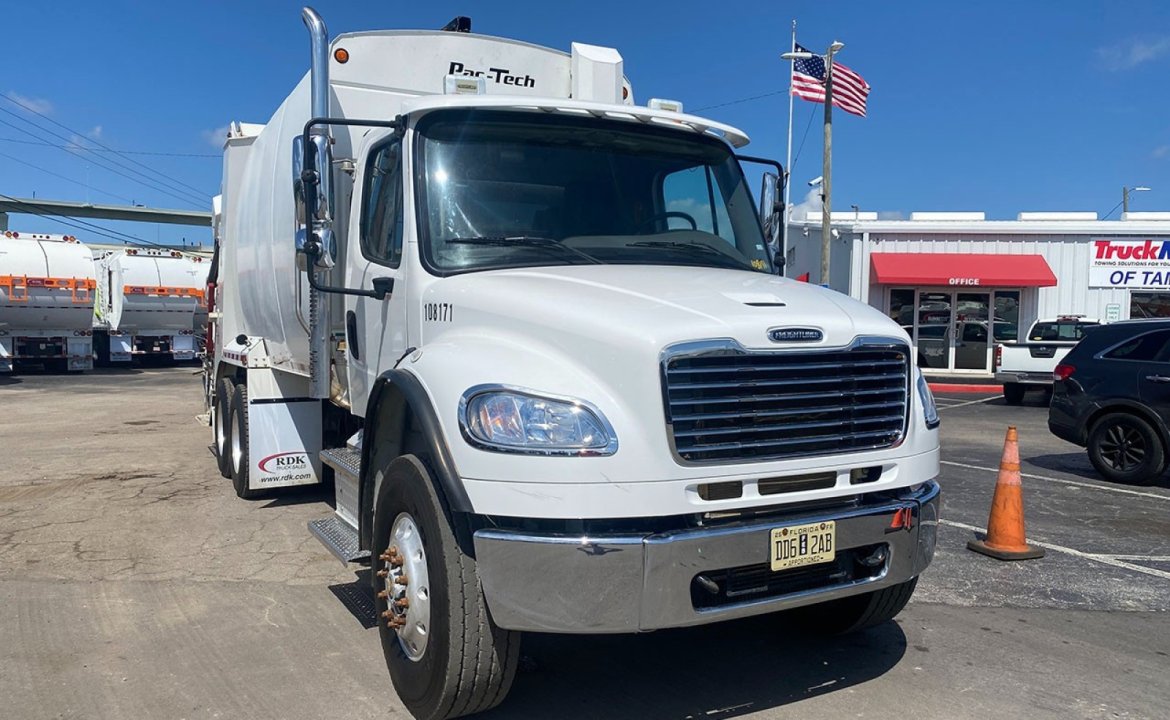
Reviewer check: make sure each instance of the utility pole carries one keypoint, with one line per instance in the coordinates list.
(827, 170)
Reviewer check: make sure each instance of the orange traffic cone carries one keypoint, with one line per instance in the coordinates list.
(1005, 526)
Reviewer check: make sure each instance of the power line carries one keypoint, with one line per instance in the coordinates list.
(99, 143)
(803, 137)
(74, 148)
(742, 100)
(67, 179)
(1106, 215)
(78, 224)
(122, 152)
(72, 151)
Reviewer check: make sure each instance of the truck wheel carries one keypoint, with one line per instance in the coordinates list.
(445, 655)
(238, 443)
(1126, 449)
(851, 614)
(221, 428)
(1013, 393)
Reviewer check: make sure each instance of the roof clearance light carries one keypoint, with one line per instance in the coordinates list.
(341, 55)
(464, 85)
(663, 104)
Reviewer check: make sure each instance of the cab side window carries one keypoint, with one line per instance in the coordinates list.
(381, 231)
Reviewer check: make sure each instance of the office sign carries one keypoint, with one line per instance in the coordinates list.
(1129, 263)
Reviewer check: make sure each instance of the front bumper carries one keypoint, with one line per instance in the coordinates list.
(636, 582)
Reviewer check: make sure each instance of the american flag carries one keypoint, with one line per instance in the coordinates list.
(849, 89)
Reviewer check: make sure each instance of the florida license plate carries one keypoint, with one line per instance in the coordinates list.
(801, 545)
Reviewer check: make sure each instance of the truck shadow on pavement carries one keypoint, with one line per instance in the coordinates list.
(716, 671)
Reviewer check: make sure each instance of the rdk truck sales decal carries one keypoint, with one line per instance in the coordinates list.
(1129, 263)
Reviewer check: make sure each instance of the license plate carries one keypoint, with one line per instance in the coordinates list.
(802, 545)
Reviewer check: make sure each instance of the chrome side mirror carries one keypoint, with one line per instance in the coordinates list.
(772, 217)
(312, 176)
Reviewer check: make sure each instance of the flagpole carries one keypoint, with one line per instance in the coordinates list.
(788, 161)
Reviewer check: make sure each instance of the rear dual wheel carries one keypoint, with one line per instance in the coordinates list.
(238, 444)
(225, 390)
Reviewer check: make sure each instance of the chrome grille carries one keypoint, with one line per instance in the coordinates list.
(726, 404)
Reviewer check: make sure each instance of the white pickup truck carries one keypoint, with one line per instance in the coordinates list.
(1028, 364)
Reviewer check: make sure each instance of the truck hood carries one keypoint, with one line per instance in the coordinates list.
(624, 306)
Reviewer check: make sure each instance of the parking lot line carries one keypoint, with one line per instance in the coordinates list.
(969, 402)
(1123, 491)
(1103, 559)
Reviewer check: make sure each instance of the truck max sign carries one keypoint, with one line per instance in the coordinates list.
(1129, 263)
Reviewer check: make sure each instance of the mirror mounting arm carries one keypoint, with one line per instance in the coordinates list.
(383, 286)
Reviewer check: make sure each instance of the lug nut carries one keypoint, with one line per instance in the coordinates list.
(389, 614)
(383, 594)
(383, 573)
(401, 580)
(402, 602)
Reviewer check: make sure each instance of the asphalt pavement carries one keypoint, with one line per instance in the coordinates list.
(134, 584)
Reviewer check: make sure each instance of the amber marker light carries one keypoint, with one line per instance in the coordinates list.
(341, 55)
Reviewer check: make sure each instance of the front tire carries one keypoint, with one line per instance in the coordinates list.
(1013, 393)
(852, 614)
(460, 663)
(1125, 448)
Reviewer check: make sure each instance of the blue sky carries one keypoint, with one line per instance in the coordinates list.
(975, 106)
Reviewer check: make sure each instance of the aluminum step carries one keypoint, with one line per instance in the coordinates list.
(340, 538)
(346, 461)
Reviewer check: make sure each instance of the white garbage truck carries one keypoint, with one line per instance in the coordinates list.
(535, 334)
(150, 304)
(46, 302)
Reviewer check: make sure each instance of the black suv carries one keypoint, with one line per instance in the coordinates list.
(1111, 395)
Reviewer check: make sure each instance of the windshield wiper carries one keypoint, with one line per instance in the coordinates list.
(693, 247)
(535, 241)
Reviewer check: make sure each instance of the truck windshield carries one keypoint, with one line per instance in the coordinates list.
(504, 189)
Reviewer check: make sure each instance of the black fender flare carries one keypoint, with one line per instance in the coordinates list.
(442, 464)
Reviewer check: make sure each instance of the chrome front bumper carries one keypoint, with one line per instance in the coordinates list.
(638, 582)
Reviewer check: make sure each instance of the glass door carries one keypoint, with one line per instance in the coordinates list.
(971, 336)
(933, 334)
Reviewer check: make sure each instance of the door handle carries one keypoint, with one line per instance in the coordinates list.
(1158, 378)
(351, 336)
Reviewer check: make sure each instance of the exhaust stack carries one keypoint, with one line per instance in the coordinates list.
(319, 360)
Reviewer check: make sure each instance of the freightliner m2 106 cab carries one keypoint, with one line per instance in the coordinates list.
(535, 334)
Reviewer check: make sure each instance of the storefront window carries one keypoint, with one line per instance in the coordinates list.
(1149, 305)
(902, 308)
(1007, 315)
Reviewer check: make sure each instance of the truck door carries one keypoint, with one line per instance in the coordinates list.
(376, 332)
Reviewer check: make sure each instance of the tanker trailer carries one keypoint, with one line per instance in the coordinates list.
(149, 302)
(46, 302)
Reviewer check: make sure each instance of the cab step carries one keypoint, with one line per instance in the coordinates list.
(339, 538)
(344, 461)
(338, 533)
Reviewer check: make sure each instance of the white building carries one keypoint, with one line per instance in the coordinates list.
(942, 276)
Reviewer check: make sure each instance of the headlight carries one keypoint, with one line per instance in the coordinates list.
(929, 408)
(514, 420)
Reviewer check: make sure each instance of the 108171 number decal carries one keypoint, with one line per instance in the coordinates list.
(438, 312)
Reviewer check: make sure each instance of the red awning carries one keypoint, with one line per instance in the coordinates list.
(961, 270)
